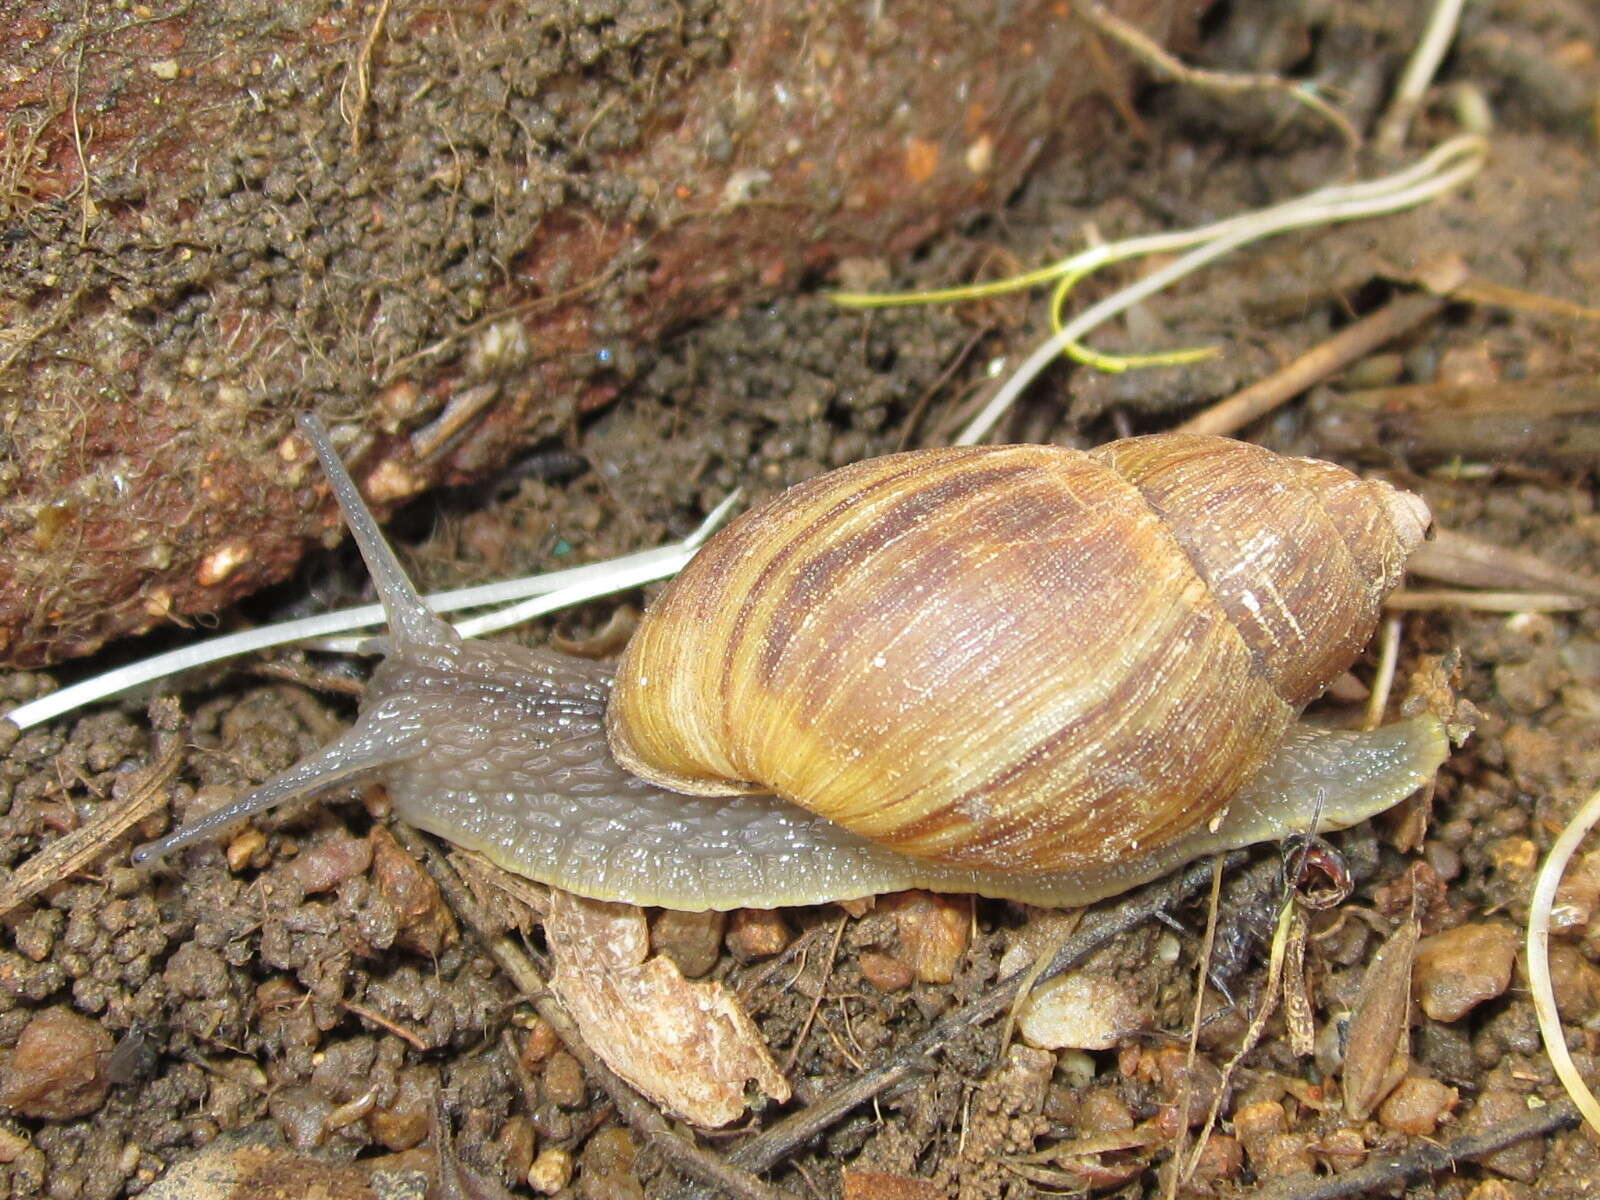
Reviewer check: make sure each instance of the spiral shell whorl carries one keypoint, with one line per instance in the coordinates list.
(902, 646)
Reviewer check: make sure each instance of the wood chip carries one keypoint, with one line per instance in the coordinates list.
(690, 1047)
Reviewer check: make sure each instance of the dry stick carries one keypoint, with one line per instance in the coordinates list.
(1161, 62)
(770, 1147)
(1417, 599)
(1389, 322)
(67, 855)
(686, 1157)
(1424, 1159)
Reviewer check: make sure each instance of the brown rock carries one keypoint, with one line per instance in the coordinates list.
(1460, 968)
(1341, 1150)
(1176, 1079)
(1575, 981)
(607, 1166)
(934, 932)
(692, 940)
(551, 1171)
(426, 925)
(1263, 1129)
(517, 1140)
(1084, 1010)
(757, 933)
(240, 1167)
(1417, 1106)
(540, 1044)
(326, 862)
(1221, 1158)
(1103, 1111)
(563, 1081)
(404, 1121)
(1494, 1109)
(58, 1070)
(885, 1185)
(1578, 898)
(884, 971)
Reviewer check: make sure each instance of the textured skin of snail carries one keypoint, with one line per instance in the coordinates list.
(1021, 671)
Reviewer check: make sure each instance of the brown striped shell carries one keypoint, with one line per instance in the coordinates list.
(1013, 657)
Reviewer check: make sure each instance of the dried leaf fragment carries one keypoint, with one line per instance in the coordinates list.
(1379, 1023)
(690, 1047)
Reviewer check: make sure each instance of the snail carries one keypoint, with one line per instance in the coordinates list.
(1023, 671)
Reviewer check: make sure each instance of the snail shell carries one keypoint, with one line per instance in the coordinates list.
(1024, 671)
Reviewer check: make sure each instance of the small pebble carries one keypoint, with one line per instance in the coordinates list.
(248, 848)
(1341, 1150)
(11, 1145)
(1103, 1111)
(1082, 1011)
(1170, 1067)
(1417, 1106)
(563, 1081)
(1524, 687)
(692, 940)
(1500, 1189)
(1496, 1108)
(58, 1070)
(426, 925)
(540, 1044)
(884, 971)
(1576, 983)
(886, 1185)
(934, 930)
(516, 1140)
(607, 1162)
(1263, 1129)
(1222, 1157)
(404, 1122)
(322, 865)
(1578, 898)
(757, 933)
(551, 1171)
(1460, 968)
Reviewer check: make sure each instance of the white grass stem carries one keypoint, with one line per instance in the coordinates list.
(1444, 168)
(555, 589)
(1544, 995)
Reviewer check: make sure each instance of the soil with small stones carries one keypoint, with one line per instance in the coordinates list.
(279, 983)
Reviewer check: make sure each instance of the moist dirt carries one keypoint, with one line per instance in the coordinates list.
(301, 983)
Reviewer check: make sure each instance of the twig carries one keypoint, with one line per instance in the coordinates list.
(770, 1147)
(685, 1156)
(1400, 315)
(1383, 677)
(1423, 1159)
(352, 110)
(816, 1002)
(1419, 73)
(66, 855)
(400, 1031)
(1176, 1178)
(1225, 82)
(1466, 561)
(1419, 600)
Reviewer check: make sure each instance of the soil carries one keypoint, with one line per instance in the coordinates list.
(286, 986)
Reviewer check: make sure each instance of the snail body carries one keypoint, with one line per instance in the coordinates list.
(1021, 671)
